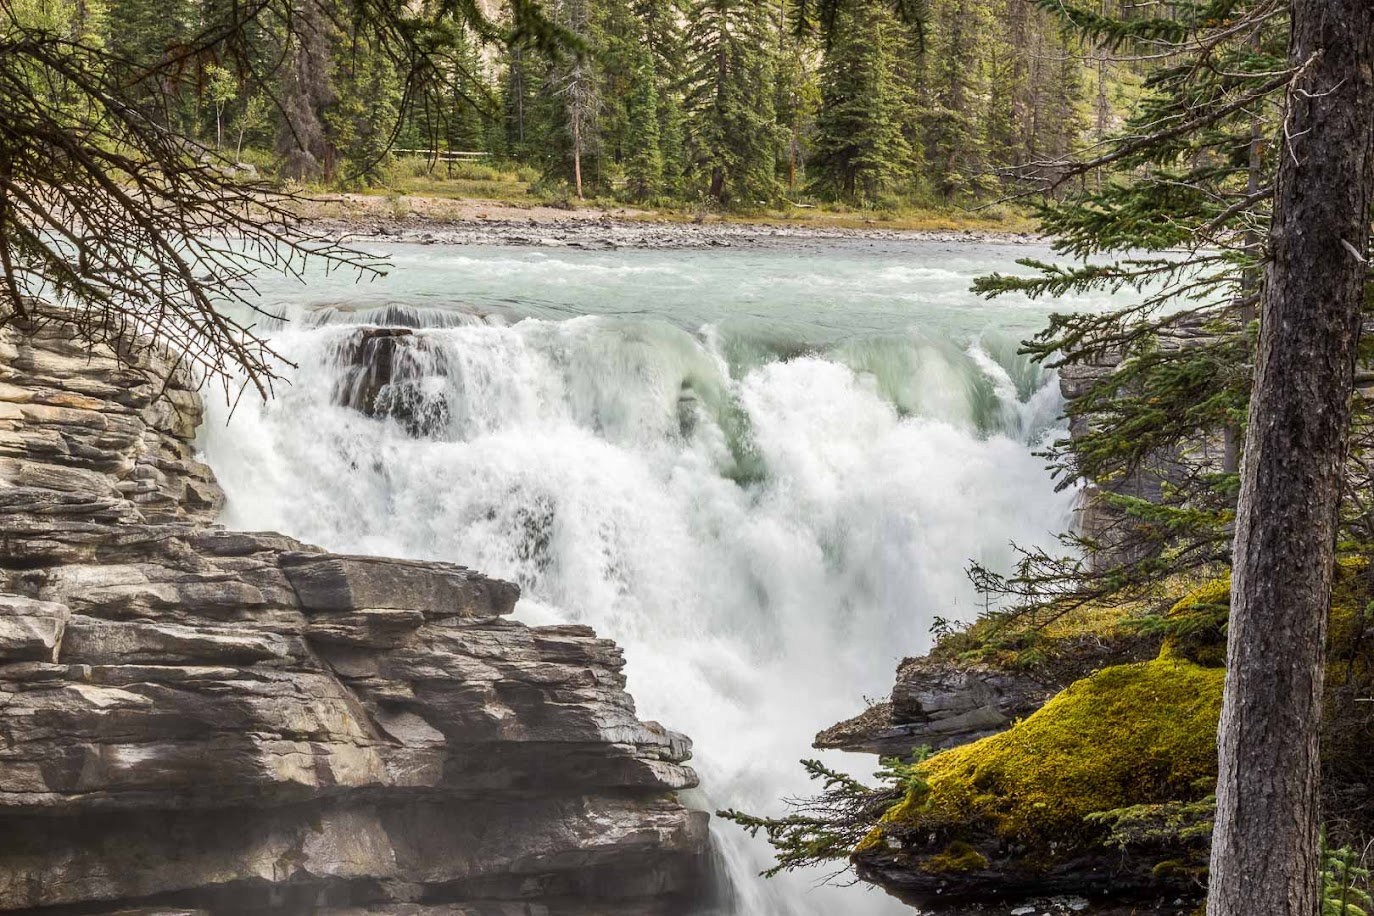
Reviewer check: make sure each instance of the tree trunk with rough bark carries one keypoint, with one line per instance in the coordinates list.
(577, 153)
(1265, 856)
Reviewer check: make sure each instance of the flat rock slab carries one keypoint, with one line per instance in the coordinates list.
(334, 584)
(30, 630)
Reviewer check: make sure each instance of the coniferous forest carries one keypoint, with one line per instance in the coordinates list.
(514, 580)
(731, 103)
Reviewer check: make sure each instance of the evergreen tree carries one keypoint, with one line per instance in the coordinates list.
(468, 109)
(673, 145)
(661, 27)
(660, 24)
(732, 121)
(947, 98)
(861, 150)
(519, 101)
(571, 95)
(1266, 854)
(1200, 186)
(644, 169)
(362, 121)
(140, 30)
(798, 97)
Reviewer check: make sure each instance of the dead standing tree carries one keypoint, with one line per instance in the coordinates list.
(575, 83)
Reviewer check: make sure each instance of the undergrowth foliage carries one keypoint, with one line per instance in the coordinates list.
(1346, 889)
(826, 828)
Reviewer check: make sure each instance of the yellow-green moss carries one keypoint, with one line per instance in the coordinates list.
(872, 840)
(1347, 726)
(1349, 604)
(1205, 641)
(956, 857)
(1174, 868)
(1053, 641)
(1349, 600)
(1213, 593)
(1131, 734)
(1128, 735)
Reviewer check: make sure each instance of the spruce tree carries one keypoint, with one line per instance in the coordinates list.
(672, 144)
(366, 111)
(949, 94)
(519, 91)
(861, 150)
(732, 121)
(1266, 854)
(616, 44)
(644, 167)
(571, 97)
(798, 96)
(468, 108)
(660, 22)
(1185, 175)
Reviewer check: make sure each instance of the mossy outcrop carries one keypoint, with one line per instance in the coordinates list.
(1106, 789)
(1126, 735)
(1018, 804)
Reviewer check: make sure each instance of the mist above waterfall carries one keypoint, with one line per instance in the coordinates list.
(762, 473)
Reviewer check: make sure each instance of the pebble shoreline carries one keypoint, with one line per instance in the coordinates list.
(607, 234)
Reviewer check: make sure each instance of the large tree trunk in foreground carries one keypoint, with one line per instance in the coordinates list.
(1264, 853)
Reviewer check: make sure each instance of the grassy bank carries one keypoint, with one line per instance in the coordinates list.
(474, 190)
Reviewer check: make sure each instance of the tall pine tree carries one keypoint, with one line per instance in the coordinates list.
(861, 150)
(644, 166)
(732, 120)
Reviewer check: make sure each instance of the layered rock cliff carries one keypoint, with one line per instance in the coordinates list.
(237, 722)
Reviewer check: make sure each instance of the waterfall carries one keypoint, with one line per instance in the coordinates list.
(767, 524)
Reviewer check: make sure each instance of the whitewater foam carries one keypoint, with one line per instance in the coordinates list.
(765, 525)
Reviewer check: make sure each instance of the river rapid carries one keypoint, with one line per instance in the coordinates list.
(762, 471)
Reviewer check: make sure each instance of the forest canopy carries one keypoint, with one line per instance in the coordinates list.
(728, 102)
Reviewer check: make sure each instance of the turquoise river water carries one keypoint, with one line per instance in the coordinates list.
(762, 471)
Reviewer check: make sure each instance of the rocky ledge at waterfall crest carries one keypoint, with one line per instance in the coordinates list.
(236, 722)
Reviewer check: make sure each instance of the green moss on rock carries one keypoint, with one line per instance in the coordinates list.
(957, 857)
(1128, 735)
(1195, 627)
(873, 840)
(1133, 739)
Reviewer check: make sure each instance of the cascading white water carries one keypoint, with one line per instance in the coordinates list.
(766, 513)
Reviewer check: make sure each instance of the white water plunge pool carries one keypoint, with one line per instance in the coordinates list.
(761, 471)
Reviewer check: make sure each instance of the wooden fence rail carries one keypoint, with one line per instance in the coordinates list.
(442, 155)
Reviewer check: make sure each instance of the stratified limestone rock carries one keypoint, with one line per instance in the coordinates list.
(939, 704)
(192, 718)
(1096, 518)
(333, 583)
